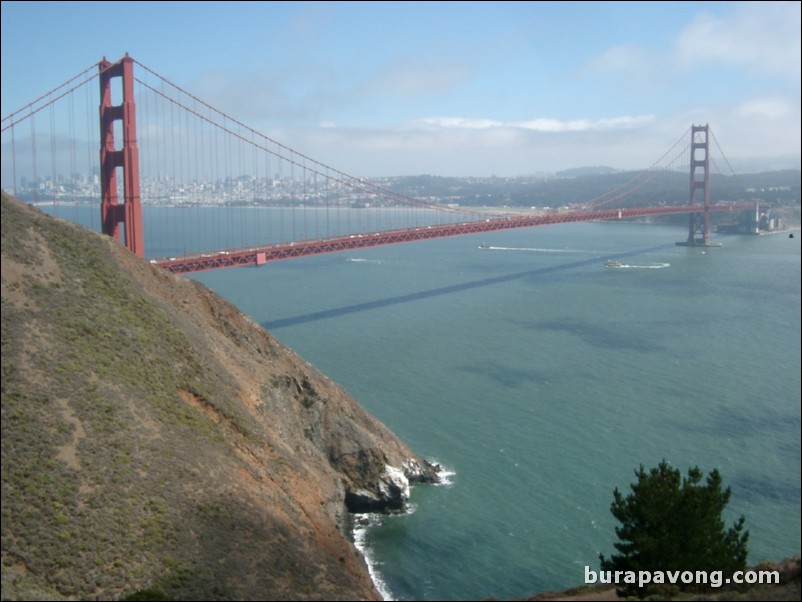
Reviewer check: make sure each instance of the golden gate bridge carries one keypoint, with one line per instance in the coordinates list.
(161, 146)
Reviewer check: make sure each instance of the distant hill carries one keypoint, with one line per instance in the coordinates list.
(585, 184)
(576, 172)
(154, 437)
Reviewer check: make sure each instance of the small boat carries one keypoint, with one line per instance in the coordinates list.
(613, 264)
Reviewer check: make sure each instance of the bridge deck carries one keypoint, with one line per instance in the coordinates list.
(261, 255)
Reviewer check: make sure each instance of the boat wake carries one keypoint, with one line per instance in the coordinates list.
(651, 266)
(357, 260)
(538, 250)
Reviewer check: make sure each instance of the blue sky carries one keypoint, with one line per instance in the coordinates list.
(448, 88)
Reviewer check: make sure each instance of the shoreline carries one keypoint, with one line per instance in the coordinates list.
(359, 530)
(361, 523)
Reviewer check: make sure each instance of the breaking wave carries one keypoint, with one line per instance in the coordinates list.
(361, 526)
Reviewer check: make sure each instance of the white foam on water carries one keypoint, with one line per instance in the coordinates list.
(445, 475)
(361, 526)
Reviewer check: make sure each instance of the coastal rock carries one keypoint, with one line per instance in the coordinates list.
(394, 486)
(391, 494)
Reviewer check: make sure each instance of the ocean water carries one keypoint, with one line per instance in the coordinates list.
(540, 380)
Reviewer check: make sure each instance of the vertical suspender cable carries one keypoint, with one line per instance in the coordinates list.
(174, 187)
(304, 198)
(230, 187)
(271, 235)
(54, 190)
(53, 166)
(33, 159)
(255, 193)
(89, 119)
(13, 162)
(73, 166)
(219, 188)
(241, 180)
(293, 199)
(328, 208)
(281, 198)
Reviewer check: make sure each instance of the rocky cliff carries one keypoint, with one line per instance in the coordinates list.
(154, 437)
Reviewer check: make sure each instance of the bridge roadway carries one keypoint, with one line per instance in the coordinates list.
(260, 255)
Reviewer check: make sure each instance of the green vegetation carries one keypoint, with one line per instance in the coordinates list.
(671, 523)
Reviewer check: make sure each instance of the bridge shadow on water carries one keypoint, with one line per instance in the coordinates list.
(445, 290)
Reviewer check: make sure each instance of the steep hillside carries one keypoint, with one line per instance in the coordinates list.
(155, 437)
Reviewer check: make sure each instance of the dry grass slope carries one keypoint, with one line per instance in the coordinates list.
(155, 437)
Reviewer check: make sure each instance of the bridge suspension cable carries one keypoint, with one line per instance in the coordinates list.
(212, 184)
(32, 109)
(39, 157)
(726, 161)
(291, 156)
(644, 177)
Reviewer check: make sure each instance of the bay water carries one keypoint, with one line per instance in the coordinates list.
(540, 381)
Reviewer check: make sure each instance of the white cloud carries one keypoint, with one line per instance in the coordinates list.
(767, 127)
(759, 38)
(578, 125)
(763, 36)
(455, 123)
(462, 147)
(555, 125)
(540, 124)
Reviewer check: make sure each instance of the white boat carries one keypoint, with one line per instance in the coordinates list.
(613, 264)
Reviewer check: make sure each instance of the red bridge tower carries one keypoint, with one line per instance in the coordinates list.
(127, 158)
(699, 222)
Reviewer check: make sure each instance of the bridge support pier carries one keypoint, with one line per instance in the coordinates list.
(127, 158)
(699, 221)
